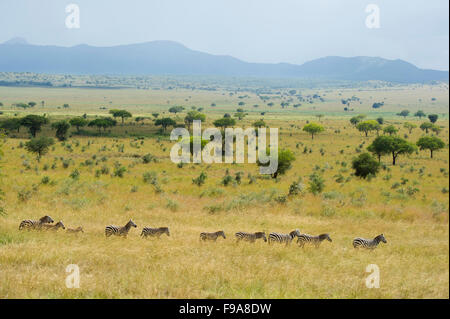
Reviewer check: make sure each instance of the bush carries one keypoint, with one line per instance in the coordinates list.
(200, 180)
(316, 184)
(365, 165)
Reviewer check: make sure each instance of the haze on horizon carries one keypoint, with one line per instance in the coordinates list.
(272, 31)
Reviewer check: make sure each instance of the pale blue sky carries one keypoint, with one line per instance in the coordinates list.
(292, 31)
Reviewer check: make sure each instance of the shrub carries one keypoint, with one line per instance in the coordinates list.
(365, 165)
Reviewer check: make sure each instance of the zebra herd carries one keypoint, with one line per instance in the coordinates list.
(46, 223)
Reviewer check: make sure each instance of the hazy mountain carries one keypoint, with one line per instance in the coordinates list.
(167, 57)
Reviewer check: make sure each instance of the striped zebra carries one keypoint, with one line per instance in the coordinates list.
(79, 229)
(155, 232)
(54, 227)
(212, 236)
(283, 238)
(368, 243)
(315, 240)
(35, 224)
(251, 237)
(119, 231)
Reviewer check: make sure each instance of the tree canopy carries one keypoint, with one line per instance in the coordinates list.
(393, 145)
(368, 126)
(78, 122)
(39, 145)
(431, 143)
(123, 114)
(365, 165)
(34, 123)
(165, 122)
(313, 129)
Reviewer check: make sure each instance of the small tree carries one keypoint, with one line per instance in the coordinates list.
(436, 129)
(368, 126)
(420, 114)
(403, 113)
(409, 126)
(365, 165)
(380, 120)
(433, 118)
(313, 129)
(155, 115)
(12, 124)
(103, 123)
(285, 159)
(259, 123)
(61, 127)
(78, 122)
(39, 146)
(431, 143)
(224, 122)
(426, 126)
(176, 109)
(34, 123)
(316, 183)
(165, 122)
(193, 116)
(123, 114)
(390, 129)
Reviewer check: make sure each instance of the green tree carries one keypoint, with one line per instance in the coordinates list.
(62, 128)
(390, 129)
(123, 114)
(224, 122)
(78, 122)
(420, 114)
(39, 146)
(285, 159)
(365, 165)
(433, 118)
(368, 126)
(259, 123)
(165, 122)
(403, 113)
(34, 123)
(32, 104)
(313, 129)
(12, 124)
(192, 116)
(409, 126)
(380, 120)
(426, 126)
(391, 145)
(103, 123)
(155, 115)
(176, 109)
(240, 115)
(316, 183)
(431, 143)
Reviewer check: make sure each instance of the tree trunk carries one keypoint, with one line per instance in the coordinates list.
(431, 153)
(394, 157)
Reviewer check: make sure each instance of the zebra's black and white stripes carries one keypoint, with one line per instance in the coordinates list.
(251, 237)
(155, 232)
(35, 224)
(212, 236)
(315, 240)
(283, 238)
(368, 243)
(119, 231)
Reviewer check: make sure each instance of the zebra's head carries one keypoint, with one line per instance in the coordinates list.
(166, 230)
(221, 233)
(46, 220)
(381, 238)
(295, 233)
(79, 228)
(261, 235)
(325, 236)
(60, 225)
(131, 223)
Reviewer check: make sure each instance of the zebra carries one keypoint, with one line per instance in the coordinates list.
(251, 237)
(35, 224)
(212, 236)
(119, 231)
(79, 229)
(155, 232)
(283, 238)
(315, 240)
(54, 227)
(368, 243)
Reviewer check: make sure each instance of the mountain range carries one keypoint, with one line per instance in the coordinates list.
(172, 58)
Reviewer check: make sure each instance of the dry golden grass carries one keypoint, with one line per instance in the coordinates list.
(413, 264)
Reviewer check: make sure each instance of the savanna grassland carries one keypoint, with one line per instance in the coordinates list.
(93, 180)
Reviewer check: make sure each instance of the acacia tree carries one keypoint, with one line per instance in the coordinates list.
(176, 109)
(368, 126)
(426, 126)
(78, 122)
(390, 129)
(165, 122)
(433, 118)
(192, 116)
(103, 123)
(431, 143)
(420, 114)
(34, 123)
(409, 126)
(285, 159)
(313, 129)
(61, 127)
(39, 146)
(403, 113)
(224, 122)
(12, 124)
(123, 114)
(391, 145)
